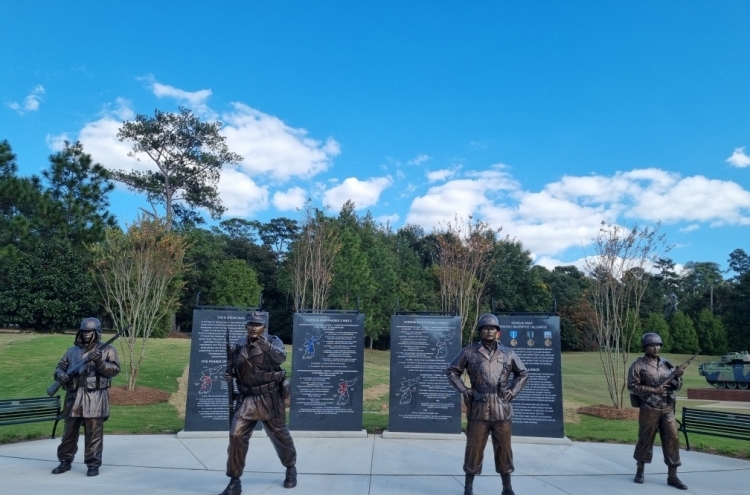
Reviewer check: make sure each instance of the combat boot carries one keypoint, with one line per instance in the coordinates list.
(63, 467)
(507, 488)
(469, 484)
(233, 488)
(92, 471)
(639, 473)
(673, 480)
(290, 481)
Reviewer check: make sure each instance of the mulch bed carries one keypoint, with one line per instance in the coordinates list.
(141, 396)
(609, 412)
(179, 335)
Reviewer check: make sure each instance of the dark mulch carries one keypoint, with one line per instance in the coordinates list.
(141, 396)
(609, 412)
(178, 335)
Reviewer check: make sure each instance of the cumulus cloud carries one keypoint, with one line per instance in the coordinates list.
(690, 228)
(418, 159)
(290, 200)
(195, 100)
(99, 139)
(567, 213)
(240, 195)
(57, 143)
(270, 147)
(30, 103)
(364, 193)
(440, 175)
(739, 158)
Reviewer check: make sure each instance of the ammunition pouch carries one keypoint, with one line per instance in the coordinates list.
(635, 400)
(285, 389)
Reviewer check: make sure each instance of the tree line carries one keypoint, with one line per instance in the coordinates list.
(60, 244)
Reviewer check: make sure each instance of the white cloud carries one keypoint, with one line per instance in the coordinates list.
(195, 100)
(290, 200)
(31, 102)
(440, 175)
(270, 147)
(690, 228)
(566, 214)
(57, 143)
(739, 158)
(240, 195)
(99, 139)
(364, 193)
(387, 219)
(418, 159)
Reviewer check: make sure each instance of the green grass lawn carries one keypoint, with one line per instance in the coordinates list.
(28, 360)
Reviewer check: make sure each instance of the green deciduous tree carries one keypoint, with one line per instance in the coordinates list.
(656, 323)
(684, 337)
(189, 155)
(712, 336)
(234, 284)
(48, 287)
(139, 276)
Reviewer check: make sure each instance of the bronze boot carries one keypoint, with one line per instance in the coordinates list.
(469, 484)
(233, 488)
(673, 480)
(639, 473)
(290, 481)
(63, 467)
(507, 489)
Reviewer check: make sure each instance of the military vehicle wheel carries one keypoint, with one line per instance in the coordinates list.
(721, 384)
(742, 385)
(732, 384)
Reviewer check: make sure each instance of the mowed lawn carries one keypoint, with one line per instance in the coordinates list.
(28, 360)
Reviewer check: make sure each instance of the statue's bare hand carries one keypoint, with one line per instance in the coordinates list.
(508, 396)
(678, 372)
(468, 393)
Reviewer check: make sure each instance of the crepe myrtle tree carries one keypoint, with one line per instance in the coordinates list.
(189, 155)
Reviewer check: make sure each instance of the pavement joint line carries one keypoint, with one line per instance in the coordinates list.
(561, 452)
(372, 461)
(191, 453)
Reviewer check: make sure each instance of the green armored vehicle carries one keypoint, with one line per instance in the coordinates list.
(732, 372)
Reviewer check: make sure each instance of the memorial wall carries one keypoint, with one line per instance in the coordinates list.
(421, 399)
(538, 409)
(207, 406)
(327, 372)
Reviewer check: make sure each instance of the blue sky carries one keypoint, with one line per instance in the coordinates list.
(543, 118)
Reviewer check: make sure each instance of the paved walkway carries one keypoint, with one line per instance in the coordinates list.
(372, 465)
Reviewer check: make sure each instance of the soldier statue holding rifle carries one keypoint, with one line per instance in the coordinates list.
(652, 382)
(497, 375)
(86, 371)
(255, 364)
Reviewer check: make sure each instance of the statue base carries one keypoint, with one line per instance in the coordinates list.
(733, 395)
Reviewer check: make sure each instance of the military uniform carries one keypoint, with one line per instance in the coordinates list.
(86, 401)
(656, 412)
(255, 364)
(652, 382)
(488, 413)
(260, 382)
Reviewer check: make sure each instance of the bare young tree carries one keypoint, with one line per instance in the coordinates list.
(138, 274)
(311, 260)
(618, 269)
(464, 265)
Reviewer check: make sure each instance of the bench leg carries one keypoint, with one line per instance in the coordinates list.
(54, 428)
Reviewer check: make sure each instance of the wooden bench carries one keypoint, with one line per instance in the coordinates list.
(715, 423)
(30, 410)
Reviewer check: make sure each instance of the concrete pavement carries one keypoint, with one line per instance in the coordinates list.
(371, 465)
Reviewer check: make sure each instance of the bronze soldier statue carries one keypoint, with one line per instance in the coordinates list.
(488, 410)
(652, 381)
(256, 367)
(87, 396)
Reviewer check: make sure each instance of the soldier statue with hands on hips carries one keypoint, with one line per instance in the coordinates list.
(650, 385)
(255, 364)
(489, 366)
(87, 396)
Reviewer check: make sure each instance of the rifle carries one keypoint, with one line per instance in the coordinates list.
(77, 367)
(681, 367)
(230, 381)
